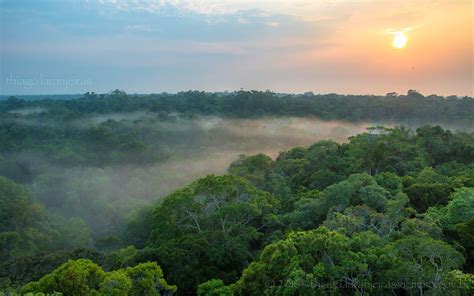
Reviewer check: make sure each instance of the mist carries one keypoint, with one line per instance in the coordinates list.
(28, 111)
(195, 148)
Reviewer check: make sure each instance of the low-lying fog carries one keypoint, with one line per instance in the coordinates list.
(226, 139)
(202, 146)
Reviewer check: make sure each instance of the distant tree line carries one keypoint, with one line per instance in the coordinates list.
(392, 107)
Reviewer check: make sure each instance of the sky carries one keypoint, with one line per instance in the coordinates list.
(154, 46)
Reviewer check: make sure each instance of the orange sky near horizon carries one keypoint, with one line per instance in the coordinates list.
(439, 47)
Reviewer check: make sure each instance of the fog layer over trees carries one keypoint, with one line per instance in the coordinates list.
(120, 184)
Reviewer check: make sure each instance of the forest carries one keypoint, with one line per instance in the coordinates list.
(237, 193)
(412, 106)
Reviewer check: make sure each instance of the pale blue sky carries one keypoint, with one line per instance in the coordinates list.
(73, 46)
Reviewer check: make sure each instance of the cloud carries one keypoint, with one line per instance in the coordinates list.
(397, 31)
(118, 4)
(243, 21)
(142, 28)
(303, 9)
(165, 6)
(273, 24)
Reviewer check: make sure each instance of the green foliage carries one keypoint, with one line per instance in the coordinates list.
(457, 220)
(84, 277)
(390, 181)
(23, 269)
(443, 146)
(76, 233)
(422, 262)
(257, 103)
(116, 283)
(253, 168)
(147, 280)
(458, 284)
(24, 228)
(119, 258)
(429, 189)
(461, 206)
(295, 265)
(214, 288)
(322, 262)
(210, 229)
(306, 212)
(80, 277)
(375, 197)
(388, 212)
(383, 149)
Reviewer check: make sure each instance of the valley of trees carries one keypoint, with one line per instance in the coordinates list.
(388, 212)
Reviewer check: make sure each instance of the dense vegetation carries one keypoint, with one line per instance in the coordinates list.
(392, 107)
(72, 153)
(91, 130)
(391, 211)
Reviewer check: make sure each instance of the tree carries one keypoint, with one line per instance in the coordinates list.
(390, 181)
(375, 197)
(116, 283)
(422, 263)
(461, 206)
(147, 280)
(24, 228)
(307, 212)
(214, 287)
(213, 226)
(465, 236)
(437, 142)
(119, 258)
(326, 165)
(84, 277)
(80, 277)
(295, 265)
(458, 284)
(382, 149)
(457, 220)
(322, 262)
(414, 94)
(253, 168)
(24, 269)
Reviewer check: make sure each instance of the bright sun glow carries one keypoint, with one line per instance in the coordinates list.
(399, 40)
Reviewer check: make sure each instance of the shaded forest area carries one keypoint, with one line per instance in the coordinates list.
(377, 211)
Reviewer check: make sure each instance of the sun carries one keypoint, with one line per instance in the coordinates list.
(399, 40)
